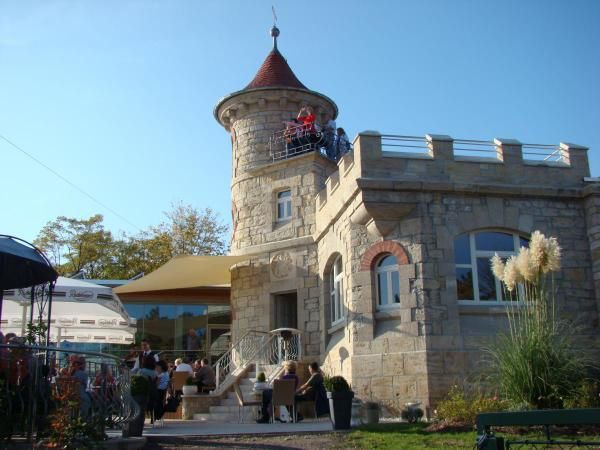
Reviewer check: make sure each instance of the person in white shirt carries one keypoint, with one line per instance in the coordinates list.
(146, 351)
(183, 366)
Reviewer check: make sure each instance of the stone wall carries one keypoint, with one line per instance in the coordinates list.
(413, 206)
(431, 341)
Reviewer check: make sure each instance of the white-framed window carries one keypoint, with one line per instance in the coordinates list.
(475, 282)
(336, 297)
(388, 282)
(284, 205)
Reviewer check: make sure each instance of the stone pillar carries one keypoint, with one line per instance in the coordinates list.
(575, 156)
(440, 146)
(509, 151)
(367, 147)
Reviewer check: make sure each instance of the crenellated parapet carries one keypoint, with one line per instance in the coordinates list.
(439, 163)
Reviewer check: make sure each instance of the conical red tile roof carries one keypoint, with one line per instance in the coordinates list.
(275, 72)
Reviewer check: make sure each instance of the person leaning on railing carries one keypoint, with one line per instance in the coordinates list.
(342, 143)
(310, 129)
(329, 129)
(292, 134)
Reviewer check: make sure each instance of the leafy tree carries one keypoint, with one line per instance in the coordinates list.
(190, 231)
(73, 244)
(76, 244)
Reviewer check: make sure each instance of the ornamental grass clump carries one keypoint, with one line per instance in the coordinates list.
(535, 363)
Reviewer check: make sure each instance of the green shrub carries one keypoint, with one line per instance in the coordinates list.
(586, 395)
(457, 408)
(336, 384)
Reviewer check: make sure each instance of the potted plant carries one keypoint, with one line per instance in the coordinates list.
(340, 401)
(261, 382)
(190, 387)
(140, 391)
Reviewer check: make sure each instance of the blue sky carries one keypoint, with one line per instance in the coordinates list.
(117, 96)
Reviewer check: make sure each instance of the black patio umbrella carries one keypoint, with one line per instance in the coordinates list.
(22, 265)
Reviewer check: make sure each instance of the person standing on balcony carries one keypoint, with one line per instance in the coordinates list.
(292, 133)
(329, 129)
(309, 128)
(342, 143)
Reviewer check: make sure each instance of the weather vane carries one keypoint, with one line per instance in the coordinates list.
(274, 30)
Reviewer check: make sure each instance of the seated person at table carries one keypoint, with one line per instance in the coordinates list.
(181, 365)
(314, 389)
(267, 395)
(204, 375)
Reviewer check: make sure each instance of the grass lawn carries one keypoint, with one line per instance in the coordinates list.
(405, 436)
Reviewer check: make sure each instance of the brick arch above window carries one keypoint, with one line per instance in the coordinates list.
(372, 254)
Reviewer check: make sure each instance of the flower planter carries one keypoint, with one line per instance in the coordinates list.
(190, 389)
(340, 408)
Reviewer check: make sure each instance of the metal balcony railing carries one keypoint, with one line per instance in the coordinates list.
(542, 152)
(298, 140)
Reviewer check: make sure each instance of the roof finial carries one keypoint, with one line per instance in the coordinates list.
(274, 30)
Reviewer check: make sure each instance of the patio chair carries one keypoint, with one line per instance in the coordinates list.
(178, 381)
(284, 392)
(242, 402)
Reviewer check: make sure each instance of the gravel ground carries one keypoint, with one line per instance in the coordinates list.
(330, 440)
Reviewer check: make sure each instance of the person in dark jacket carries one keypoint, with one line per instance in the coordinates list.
(313, 390)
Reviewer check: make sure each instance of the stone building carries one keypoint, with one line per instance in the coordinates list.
(381, 259)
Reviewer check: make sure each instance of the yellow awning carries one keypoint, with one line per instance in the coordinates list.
(184, 272)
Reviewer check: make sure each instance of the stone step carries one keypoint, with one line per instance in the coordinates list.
(247, 417)
(223, 409)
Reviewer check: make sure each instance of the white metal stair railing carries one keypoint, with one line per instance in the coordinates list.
(267, 351)
(283, 345)
(238, 356)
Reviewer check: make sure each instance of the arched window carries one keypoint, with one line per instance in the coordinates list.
(336, 284)
(475, 281)
(388, 282)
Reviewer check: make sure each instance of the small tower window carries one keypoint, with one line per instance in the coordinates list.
(284, 205)
(388, 282)
(336, 282)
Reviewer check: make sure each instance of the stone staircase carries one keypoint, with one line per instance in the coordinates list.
(227, 411)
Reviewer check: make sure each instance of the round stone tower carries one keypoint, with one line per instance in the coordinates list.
(252, 115)
(278, 286)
